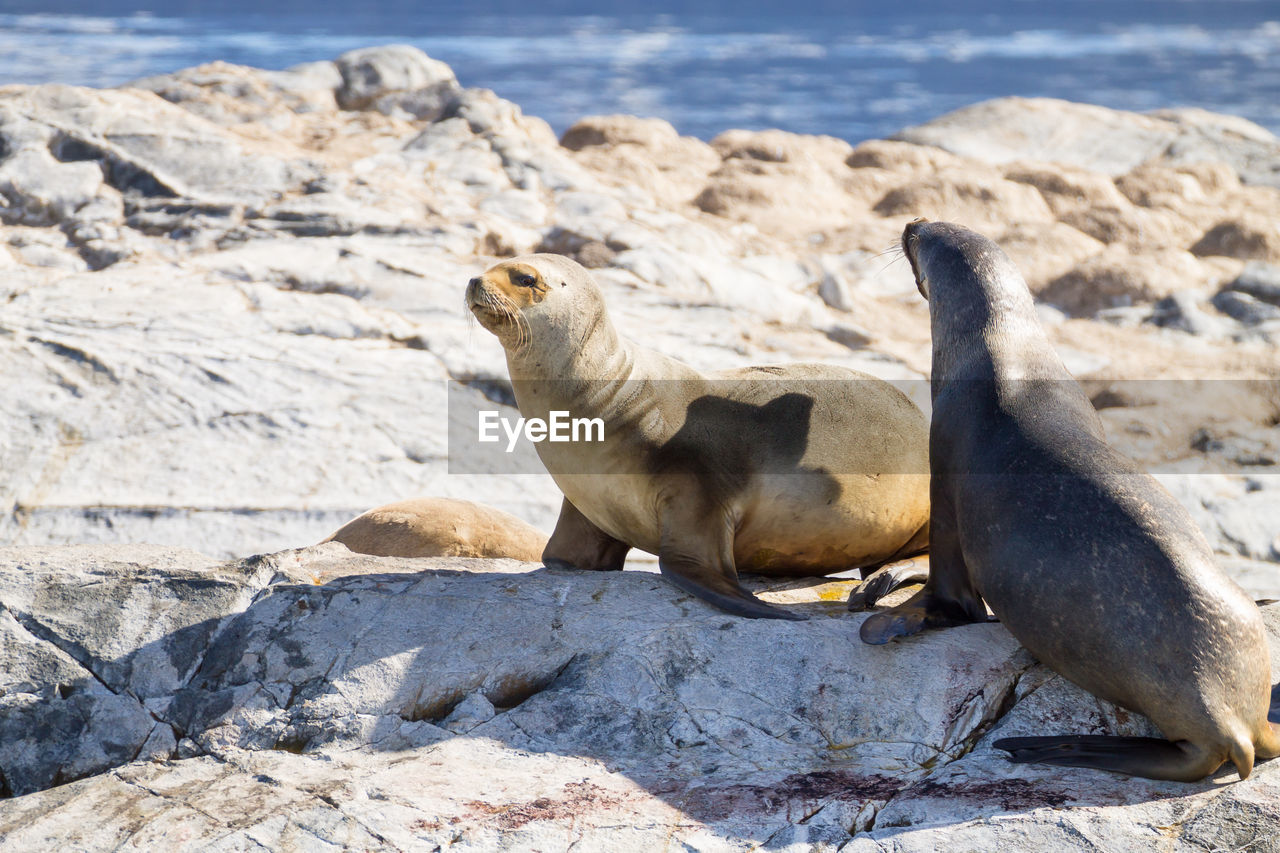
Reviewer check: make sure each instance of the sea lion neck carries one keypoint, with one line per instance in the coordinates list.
(590, 354)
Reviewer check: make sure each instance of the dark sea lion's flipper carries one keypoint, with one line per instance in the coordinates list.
(576, 543)
(948, 597)
(716, 587)
(885, 580)
(1152, 758)
(923, 611)
(1274, 714)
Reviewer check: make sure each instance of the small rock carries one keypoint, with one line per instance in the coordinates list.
(39, 190)
(1116, 277)
(1260, 280)
(394, 75)
(834, 288)
(619, 130)
(1181, 310)
(1247, 236)
(469, 713)
(849, 335)
(1246, 308)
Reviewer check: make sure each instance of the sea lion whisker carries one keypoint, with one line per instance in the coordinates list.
(900, 256)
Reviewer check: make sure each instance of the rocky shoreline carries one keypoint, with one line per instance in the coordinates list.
(231, 319)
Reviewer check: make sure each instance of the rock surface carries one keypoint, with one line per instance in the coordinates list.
(319, 698)
(231, 320)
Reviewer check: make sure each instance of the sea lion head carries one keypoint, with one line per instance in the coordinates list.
(534, 296)
(971, 266)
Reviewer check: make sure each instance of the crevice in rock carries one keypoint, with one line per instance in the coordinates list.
(492, 389)
(122, 173)
(159, 722)
(515, 692)
(1004, 704)
(133, 783)
(337, 807)
(74, 651)
(77, 355)
(507, 695)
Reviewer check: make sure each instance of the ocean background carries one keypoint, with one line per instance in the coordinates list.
(856, 70)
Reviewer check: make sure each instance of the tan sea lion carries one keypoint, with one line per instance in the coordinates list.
(1094, 567)
(441, 527)
(789, 470)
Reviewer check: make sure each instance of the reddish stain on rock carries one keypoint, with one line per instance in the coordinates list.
(581, 799)
(1009, 793)
(794, 795)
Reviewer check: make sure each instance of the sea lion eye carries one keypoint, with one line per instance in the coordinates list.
(523, 279)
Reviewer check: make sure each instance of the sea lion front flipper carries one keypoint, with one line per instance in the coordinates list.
(885, 580)
(923, 611)
(696, 554)
(716, 588)
(1151, 758)
(948, 597)
(576, 543)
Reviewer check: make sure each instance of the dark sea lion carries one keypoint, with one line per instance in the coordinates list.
(786, 470)
(441, 527)
(1089, 562)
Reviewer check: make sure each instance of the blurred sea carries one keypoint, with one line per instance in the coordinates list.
(851, 69)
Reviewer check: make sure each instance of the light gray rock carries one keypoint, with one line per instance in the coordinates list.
(92, 637)
(395, 79)
(38, 190)
(1248, 309)
(530, 153)
(1260, 280)
(325, 214)
(1182, 310)
(229, 94)
(391, 704)
(210, 381)
(1100, 139)
(834, 288)
(143, 145)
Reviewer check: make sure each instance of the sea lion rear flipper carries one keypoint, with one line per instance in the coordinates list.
(576, 543)
(885, 580)
(1151, 758)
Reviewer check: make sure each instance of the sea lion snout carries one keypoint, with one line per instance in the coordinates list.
(515, 283)
(910, 246)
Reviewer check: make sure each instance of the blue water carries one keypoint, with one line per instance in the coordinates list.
(853, 69)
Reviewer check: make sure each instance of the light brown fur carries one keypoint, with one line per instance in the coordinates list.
(441, 527)
(783, 470)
